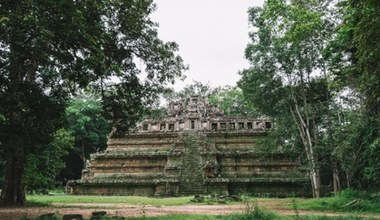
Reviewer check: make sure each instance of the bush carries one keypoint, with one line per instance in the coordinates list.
(348, 200)
(253, 211)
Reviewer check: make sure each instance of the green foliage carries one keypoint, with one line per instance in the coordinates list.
(253, 211)
(349, 137)
(284, 51)
(229, 98)
(2, 165)
(50, 49)
(157, 113)
(232, 102)
(314, 70)
(87, 124)
(195, 89)
(356, 44)
(284, 139)
(264, 215)
(42, 169)
(372, 171)
(348, 200)
(287, 79)
(295, 209)
(353, 56)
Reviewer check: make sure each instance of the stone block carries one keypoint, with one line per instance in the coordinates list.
(72, 217)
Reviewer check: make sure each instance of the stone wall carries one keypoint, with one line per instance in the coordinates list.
(196, 149)
(187, 163)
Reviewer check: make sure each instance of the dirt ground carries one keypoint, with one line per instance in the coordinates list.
(86, 209)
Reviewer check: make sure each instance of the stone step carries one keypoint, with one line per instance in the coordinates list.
(192, 188)
(200, 189)
(191, 178)
(192, 172)
(197, 190)
(192, 192)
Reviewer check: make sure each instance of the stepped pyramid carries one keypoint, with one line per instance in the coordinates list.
(196, 149)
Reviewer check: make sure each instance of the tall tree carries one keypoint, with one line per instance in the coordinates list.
(286, 78)
(354, 54)
(42, 168)
(87, 124)
(357, 50)
(49, 49)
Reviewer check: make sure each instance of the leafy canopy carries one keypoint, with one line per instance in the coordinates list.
(49, 49)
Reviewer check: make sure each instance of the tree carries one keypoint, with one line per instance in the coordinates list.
(87, 124)
(355, 51)
(287, 78)
(195, 89)
(348, 137)
(232, 102)
(43, 168)
(354, 56)
(50, 49)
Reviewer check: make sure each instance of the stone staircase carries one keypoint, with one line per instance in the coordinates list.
(192, 171)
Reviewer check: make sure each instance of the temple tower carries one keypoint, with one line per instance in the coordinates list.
(196, 149)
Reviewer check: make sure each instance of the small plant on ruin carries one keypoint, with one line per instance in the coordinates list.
(295, 209)
(142, 210)
(253, 211)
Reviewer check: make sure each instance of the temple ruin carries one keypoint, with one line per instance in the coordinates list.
(196, 149)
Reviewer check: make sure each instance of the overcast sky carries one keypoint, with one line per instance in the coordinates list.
(212, 36)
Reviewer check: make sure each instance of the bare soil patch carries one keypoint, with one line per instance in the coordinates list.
(85, 209)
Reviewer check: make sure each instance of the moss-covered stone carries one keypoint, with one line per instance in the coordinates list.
(195, 150)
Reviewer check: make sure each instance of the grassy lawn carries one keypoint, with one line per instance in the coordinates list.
(246, 217)
(179, 217)
(347, 201)
(132, 200)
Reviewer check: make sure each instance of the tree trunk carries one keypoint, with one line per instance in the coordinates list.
(83, 156)
(315, 178)
(304, 130)
(348, 178)
(13, 192)
(336, 179)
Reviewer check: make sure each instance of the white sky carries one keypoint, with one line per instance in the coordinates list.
(212, 36)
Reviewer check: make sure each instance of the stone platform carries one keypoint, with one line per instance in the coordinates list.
(195, 150)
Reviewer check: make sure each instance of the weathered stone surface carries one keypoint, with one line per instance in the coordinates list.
(72, 217)
(48, 216)
(195, 150)
(98, 215)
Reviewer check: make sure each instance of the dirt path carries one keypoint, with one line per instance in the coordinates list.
(86, 209)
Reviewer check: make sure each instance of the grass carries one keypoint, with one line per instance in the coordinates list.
(243, 217)
(179, 217)
(132, 200)
(348, 200)
(229, 217)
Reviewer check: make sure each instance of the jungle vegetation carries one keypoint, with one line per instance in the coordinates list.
(314, 69)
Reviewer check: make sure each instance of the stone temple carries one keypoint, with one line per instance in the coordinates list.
(195, 149)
